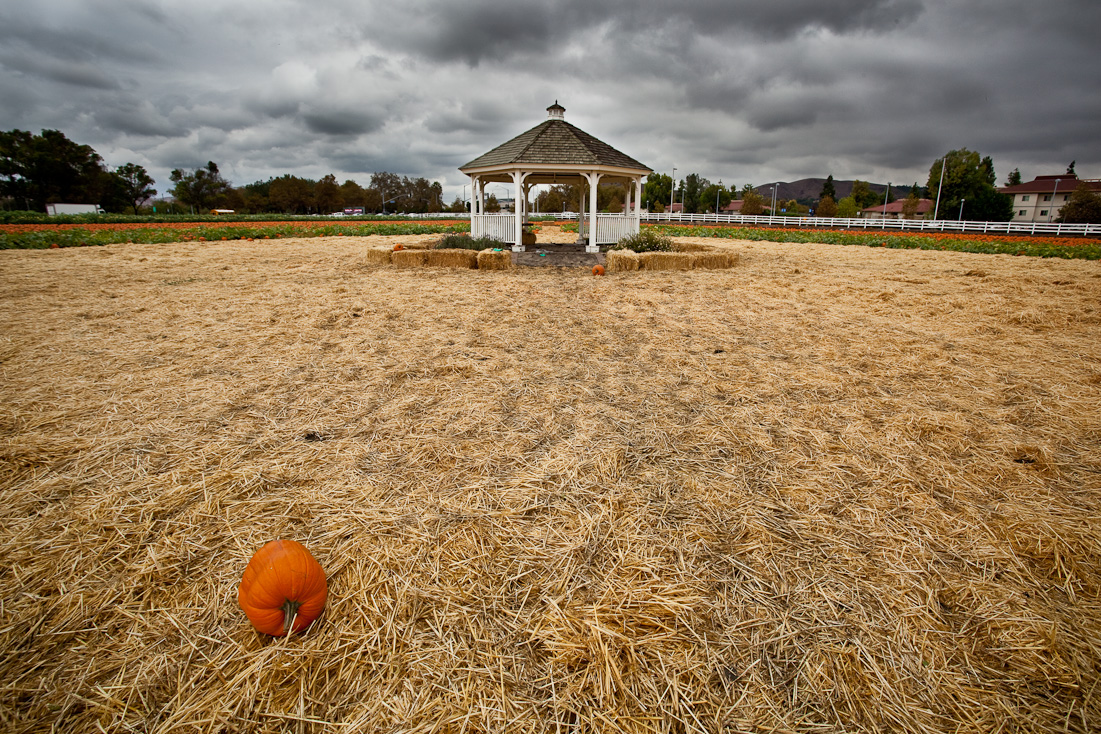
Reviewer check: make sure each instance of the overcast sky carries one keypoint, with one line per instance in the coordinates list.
(743, 91)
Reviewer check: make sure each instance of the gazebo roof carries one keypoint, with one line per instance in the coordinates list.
(555, 142)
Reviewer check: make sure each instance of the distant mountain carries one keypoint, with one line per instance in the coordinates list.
(807, 190)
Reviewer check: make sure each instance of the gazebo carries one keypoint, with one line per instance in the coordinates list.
(555, 152)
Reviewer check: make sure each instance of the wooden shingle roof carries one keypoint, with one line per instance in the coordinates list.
(555, 142)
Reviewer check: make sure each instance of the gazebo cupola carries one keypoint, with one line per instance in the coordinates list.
(555, 152)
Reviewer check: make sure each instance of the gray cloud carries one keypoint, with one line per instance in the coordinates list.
(726, 88)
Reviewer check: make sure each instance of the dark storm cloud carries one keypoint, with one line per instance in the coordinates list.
(340, 122)
(486, 30)
(725, 88)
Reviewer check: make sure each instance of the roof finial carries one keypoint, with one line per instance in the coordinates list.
(556, 111)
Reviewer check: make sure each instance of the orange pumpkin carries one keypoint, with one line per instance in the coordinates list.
(398, 247)
(281, 582)
(598, 270)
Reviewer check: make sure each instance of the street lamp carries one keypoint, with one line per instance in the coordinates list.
(1051, 209)
(940, 186)
(772, 209)
(960, 217)
(883, 224)
(673, 189)
(717, 197)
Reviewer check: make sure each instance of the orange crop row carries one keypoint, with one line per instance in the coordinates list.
(1066, 241)
(17, 228)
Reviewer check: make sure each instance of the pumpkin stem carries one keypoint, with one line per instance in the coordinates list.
(290, 609)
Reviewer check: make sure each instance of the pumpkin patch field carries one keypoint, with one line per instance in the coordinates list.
(836, 489)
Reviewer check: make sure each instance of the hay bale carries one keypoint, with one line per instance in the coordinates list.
(714, 260)
(618, 261)
(409, 258)
(690, 247)
(491, 260)
(455, 258)
(665, 261)
(377, 256)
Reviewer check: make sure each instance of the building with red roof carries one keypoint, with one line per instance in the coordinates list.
(1042, 198)
(894, 210)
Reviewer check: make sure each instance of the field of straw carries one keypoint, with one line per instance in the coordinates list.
(829, 489)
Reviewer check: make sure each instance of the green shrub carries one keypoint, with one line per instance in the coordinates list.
(466, 242)
(647, 240)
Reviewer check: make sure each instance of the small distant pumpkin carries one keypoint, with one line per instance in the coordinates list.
(399, 246)
(283, 581)
(598, 270)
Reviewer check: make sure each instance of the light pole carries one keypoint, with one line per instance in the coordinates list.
(772, 209)
(1051, 209)
(717, 197)
(673, 189)
(960, 217)
(940, 186)
(883, 224)
(465, 203)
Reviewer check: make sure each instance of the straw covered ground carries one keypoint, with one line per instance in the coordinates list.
(830, 489)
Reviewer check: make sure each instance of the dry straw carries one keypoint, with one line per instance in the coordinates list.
(714, 260)
(836, 489)
(621, 261)
(409, 258)
(665, 261)
(493, 260)
(452, 258)
(377, 256)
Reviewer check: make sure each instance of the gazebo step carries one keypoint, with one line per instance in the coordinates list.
(532, 259)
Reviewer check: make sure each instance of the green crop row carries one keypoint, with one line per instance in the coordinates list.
(1064, 247)
(82, 237)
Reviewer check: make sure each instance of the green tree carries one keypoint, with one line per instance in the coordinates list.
(711, 193)
(328, 195)
(828, 190)
(752, 203)
(492, 205)
(1083, 207)
(694, 185)
(39, 169)
(910, 205)
(1070, 169)
(657, 190)
(966, 176)
(291, 194)
(200, 189)
(1014, 178)
(352, 193)
(826, 207)
(847, 208)
(134, 184)
(863, 195)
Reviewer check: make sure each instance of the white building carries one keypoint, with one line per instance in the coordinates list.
(1042, 198)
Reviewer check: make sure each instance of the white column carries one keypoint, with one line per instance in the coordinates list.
(638, 204)
(581, 212)
(594, 181)
(518, 210)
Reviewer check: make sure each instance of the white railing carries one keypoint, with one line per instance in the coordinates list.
(501, 227)
(919, 225)
(611, 228)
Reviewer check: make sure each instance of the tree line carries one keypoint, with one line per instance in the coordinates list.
(204, 188)
(36, 170)
(39, 169)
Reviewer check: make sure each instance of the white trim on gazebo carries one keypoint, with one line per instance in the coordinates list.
(541, 168)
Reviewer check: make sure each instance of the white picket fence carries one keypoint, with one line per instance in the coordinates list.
(1054, 229)
(918, 225)
(501, 227)
(611, 228)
